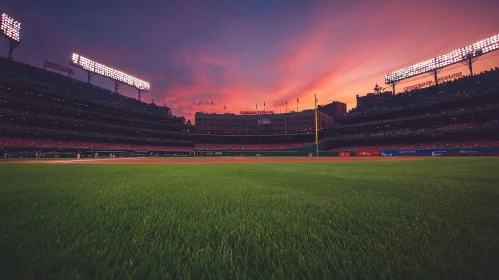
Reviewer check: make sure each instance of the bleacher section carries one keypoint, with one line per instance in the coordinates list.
(430, 145)
(466, 109)
(248, 147)
(479, 85)
(75, 145)
(44, 110)
(20, 73)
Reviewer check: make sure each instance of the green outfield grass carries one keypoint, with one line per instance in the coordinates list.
(432, 219)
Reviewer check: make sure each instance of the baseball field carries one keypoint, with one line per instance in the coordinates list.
(240, 218)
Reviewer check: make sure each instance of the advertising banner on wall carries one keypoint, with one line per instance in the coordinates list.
(408, 152)
(344, 154)
(432, 82)
(367, 154)
(56, 66)
(442, 152)
(256, 112)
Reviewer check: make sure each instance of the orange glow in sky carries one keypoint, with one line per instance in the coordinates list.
(243, 54)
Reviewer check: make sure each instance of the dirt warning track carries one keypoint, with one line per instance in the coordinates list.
(214, 160)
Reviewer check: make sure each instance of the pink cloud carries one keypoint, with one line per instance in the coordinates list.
(335, 57)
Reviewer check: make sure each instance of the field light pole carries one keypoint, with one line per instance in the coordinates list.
(116, 86)
(393, 84)
(93, 68)
(466, 55)
(10, 29)
(139, 94)
(316, 129)
(12, 46)
(435, 74)
(470, 59)
(89, 76)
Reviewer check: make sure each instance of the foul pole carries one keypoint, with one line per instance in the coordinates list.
(316, 130)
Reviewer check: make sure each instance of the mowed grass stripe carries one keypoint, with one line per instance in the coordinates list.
(429, 219)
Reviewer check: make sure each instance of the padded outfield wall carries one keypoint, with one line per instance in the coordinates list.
(302, 151)
(294, 152)
(422, 152)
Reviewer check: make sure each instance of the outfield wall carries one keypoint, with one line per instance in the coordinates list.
(422, 152)
(301, 152)
(306, 150)
(443, 152)
(251, 153)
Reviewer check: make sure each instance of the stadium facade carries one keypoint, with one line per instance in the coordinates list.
(262, 123)
(47, 114)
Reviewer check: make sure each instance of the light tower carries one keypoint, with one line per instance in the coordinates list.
(118, 77)
(435, 74)
(466, 55)
(393, 84)
(10, 30)
(470, 58)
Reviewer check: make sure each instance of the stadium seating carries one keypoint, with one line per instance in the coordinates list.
(247, 147)
(76, 89)
(417, 115)
(465, 87)
(71, 144)
(423, 128)
(239, 133)
(435, 145)
(467, 108)
(41, 109)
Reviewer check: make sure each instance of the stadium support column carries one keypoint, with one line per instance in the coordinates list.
(435, 74)
(116, 86)
(393, 84)
(316, 128)
(470, 59)
(139, 94)
(470, 64)
(11, 50)
(12, 46)
(89, 76)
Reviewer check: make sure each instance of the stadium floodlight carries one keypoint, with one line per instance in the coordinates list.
(10, 27)
(108, 72)
(460, 55)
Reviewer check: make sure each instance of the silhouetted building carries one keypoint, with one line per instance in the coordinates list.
(292, 121)
(335, 109)
(372, 97)
(378, 94)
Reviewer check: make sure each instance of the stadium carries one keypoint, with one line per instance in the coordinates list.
(96, 184)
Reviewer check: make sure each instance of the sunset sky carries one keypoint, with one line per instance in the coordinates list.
(240, 53)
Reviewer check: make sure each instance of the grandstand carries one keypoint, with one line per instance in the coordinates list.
(55, 115)
(43, 112)
(466, 109)
(258, 132)
(46, 113)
